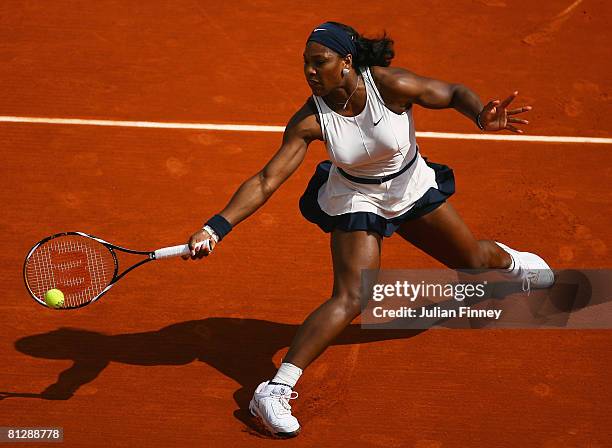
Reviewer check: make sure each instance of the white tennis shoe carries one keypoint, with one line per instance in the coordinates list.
(270, 403)
(532, 269)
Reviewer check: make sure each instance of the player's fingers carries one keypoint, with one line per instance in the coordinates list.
(202, 249)
(188, 256)
(508, 100)
(208, 248)
(193, 248)
(517, 120)
(490, 106)
(514, 129)
(202, 252)
(520, 110)
(193, 241)
(196, 252)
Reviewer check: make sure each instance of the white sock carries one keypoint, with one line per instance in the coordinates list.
(287, 374)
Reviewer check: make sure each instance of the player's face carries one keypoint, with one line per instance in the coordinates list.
(322, 68)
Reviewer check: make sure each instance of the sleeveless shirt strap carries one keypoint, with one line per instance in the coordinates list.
(367, 75)
(321, 117)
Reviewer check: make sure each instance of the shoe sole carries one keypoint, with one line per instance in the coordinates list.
(280, 435)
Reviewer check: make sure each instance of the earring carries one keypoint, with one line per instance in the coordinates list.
(345, 71)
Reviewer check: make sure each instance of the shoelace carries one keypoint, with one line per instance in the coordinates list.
(284, 398)
(531, 276)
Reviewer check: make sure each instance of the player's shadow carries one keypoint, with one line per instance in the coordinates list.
(241, 349)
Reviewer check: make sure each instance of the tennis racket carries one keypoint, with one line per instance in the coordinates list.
(82, 266)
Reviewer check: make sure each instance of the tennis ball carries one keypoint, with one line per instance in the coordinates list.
(54, 298)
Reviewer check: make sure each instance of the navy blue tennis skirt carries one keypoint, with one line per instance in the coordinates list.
(432, 199)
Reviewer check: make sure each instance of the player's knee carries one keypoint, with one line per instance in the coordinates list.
(350, 303)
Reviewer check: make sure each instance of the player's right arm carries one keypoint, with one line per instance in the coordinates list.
(255, 191)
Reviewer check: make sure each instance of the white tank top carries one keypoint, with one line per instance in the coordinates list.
(375, 143)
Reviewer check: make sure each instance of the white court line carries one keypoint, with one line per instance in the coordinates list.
(260, 128)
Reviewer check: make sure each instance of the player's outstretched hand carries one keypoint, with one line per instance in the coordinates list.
(201, 244)
(496, 116)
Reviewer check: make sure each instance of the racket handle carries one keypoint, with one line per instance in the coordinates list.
(175, 251)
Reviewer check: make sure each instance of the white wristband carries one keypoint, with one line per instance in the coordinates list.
(212, 233)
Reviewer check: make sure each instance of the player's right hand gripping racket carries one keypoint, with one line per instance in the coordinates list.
(82, 266)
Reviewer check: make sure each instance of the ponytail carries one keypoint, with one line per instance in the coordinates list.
(378, 51)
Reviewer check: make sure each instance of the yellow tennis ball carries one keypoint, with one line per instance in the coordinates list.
(54, 298)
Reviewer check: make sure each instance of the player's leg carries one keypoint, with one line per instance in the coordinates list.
(351, 252)
(443, 235)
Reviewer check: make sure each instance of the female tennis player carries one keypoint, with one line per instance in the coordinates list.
(375, 183)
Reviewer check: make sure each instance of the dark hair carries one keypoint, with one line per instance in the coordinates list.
(377, 51)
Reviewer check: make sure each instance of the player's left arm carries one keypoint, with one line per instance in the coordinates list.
(407, 88)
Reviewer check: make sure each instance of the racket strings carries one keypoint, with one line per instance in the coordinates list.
(78, 266)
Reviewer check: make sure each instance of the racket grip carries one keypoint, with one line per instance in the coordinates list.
(173, 251)
(176, 251)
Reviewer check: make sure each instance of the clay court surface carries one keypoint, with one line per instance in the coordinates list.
(171, 355)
